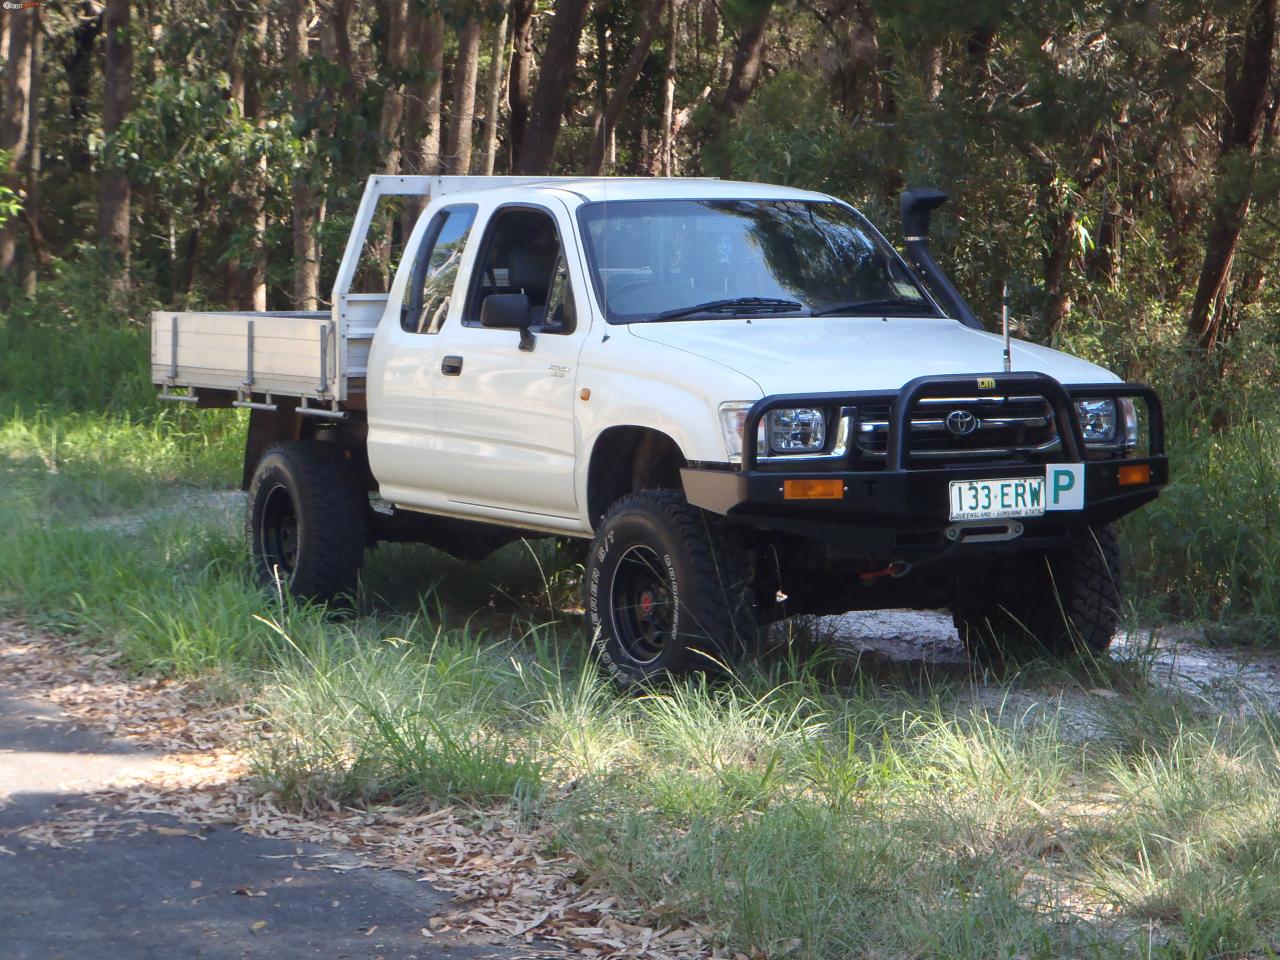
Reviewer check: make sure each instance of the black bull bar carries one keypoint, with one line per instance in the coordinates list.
(892, 507)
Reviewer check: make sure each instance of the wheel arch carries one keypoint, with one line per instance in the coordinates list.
(627, 458)
(269, 428)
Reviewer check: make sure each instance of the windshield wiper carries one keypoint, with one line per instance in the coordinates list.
(732, 305)
(858, 306)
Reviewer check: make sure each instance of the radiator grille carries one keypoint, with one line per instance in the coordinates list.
(964, 429)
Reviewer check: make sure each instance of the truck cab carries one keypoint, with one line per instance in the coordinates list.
(742, 394)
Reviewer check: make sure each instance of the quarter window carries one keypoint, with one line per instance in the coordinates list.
(436, 269)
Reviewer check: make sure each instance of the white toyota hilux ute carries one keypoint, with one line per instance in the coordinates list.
(749, 401)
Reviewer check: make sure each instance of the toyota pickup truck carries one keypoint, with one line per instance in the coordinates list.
(749, 402)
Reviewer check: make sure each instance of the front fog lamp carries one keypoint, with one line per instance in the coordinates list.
(797, 430)
(1097, 420)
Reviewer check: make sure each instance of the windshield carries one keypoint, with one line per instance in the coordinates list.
(687, 259)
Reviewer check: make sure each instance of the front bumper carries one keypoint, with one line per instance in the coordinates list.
(901, 511)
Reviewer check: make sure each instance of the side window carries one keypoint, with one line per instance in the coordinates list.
(436, 269)
(522, 254)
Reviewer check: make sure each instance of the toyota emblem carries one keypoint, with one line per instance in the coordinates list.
(961, 423)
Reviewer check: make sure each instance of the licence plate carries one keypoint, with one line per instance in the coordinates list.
(997, 499)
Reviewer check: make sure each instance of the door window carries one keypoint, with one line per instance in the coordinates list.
(522, 253)
(436, 269)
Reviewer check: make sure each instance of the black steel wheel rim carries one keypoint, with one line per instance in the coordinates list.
(278, 532)
(641, 601)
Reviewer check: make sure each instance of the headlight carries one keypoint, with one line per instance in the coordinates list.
(798, 430)
(1097, 420)
(793, 430)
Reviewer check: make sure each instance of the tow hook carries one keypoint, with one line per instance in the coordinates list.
(897, 570)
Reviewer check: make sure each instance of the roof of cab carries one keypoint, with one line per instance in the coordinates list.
(595, 189)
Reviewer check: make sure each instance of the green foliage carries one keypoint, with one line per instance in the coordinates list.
(10, 204)
(76, 345)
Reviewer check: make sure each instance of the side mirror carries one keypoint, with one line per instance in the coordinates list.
(508, 311)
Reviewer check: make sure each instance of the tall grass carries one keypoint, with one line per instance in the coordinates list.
(1209, 548)
(798, 819)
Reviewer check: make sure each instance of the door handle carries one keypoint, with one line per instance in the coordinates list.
(451, 366)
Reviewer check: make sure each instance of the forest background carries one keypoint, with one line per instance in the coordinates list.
(1115, 163)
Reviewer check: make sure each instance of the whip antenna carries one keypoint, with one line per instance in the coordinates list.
(1004, 313)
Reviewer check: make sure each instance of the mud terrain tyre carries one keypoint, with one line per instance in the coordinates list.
(306, 521)
(668, 590)
(1066, 602)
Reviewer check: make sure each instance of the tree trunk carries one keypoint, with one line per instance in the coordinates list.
(422, 114)
(854, 56)
(602, 20)
(31, 208)
(340, 31)
(236, 288)
(931, 71)
(494, 106)
(463, 112)
(622, 87)
(304, 218)
(391, 121)
(708, 28)
(1103, 261)
(666, 150)
(519, 82)
(78, 64)
(255, 274)
(115, 194)
(423, 122)
(547, 110)
(1060, 229)
(1248, 78)
(15, 131)
(748, 59)
(393, 96)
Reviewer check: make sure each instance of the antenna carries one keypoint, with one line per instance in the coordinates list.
(1004, 314)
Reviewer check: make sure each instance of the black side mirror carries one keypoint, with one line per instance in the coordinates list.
(508, 311)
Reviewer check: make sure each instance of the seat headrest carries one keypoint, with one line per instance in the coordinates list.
(529, 269)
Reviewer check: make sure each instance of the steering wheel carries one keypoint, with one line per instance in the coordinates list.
(619, 288)
(616, 293)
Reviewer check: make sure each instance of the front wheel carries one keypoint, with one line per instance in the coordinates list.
(1064, 602)
(306, 521)
(668, 589)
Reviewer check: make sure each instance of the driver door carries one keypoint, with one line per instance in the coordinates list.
(504, 417)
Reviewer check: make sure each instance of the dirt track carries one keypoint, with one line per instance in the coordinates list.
(79, 879)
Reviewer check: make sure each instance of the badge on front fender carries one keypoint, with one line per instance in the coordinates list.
(1064, 486)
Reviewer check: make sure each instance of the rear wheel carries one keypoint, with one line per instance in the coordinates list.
(1064, 602)
(306, 521)
(668, 589)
